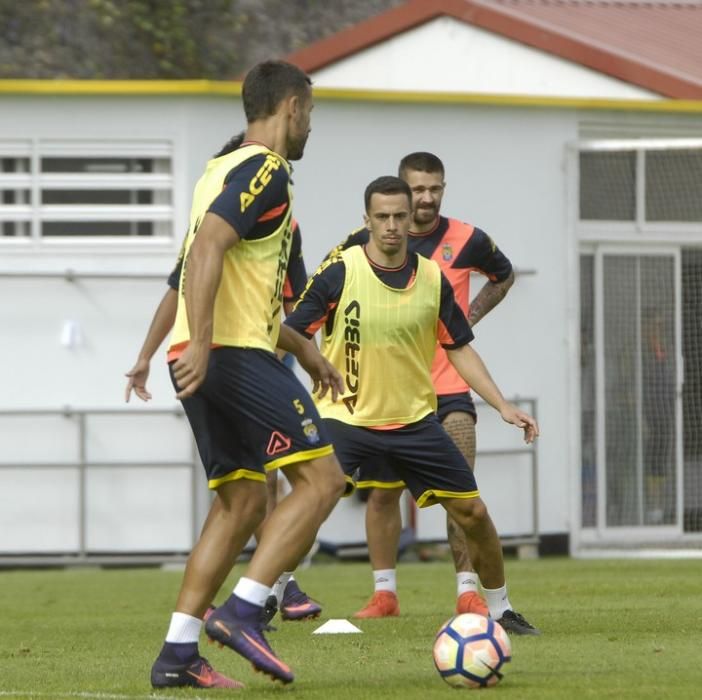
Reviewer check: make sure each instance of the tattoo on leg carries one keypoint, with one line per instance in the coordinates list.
(458, 545)
(461, 429)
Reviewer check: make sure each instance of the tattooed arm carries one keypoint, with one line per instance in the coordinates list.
(491, 294)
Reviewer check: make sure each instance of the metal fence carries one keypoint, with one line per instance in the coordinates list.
(81, 459)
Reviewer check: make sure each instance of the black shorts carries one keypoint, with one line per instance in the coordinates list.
(377, 473)
(421, 454)
(252, 415)
(451, 403)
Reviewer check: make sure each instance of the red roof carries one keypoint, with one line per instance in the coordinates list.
(655, 45)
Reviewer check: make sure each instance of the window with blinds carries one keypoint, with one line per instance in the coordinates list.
(81, 189)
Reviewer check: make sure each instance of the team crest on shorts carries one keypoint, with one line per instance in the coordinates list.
(447, 252)
(310, 430)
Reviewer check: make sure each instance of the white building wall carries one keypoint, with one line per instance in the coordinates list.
(110, 313)
(504, 169)
(505, 173)
(446, 55)
(126, 509)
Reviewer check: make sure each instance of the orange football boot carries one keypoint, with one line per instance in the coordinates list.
(381, 604)
(472, 602)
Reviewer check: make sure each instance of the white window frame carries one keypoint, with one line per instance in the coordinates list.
(587, 237)
(638, 229)
(35, 181)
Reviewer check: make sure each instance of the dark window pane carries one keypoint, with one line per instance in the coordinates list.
(621, 390)
(145, 197)
(98, 228)
(658, 366)
(15, 228)
(607, 186)
(692, 388)
(96, 197)
(14, 196)
(14, 165)
(587, 391)
(96, 165)
(674, 185)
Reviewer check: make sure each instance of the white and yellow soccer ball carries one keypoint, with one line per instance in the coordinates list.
(471, 650)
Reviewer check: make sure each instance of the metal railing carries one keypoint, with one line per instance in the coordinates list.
(526, 544)
(82, 555)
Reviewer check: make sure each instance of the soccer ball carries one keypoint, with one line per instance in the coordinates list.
(470, 650)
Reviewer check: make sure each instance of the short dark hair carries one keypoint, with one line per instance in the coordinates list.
(267, 84)
(422, 161)
(387, 184)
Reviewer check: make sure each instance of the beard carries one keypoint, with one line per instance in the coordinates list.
(296, 147)
(425, 215)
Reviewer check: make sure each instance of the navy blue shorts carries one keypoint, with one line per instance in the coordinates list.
(378, 472)
(421, 454)
(452, 403)
(252, 415)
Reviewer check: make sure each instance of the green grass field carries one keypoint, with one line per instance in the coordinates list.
(611, 629)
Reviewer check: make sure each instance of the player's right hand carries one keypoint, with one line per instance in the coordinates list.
(323, 374)
(136, 380)
(511, 414)
(190, 369)
(329, 379)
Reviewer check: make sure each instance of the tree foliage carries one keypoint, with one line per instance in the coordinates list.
(167, 39)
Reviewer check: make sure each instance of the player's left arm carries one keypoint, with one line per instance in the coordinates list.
(481, 254)
(317, 301)
(489, 296)
(474, 372)
(455, 334)
(295, 276)
(160, 327)
(323, 374)
(358, 236)
(296, 273)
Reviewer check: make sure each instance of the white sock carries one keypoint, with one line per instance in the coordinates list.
(279, 585)
(497, 601)
(385, 580)
(467, 581)
(252, 591)
(183, 629)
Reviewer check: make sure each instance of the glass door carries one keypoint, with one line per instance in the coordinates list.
(637, 389)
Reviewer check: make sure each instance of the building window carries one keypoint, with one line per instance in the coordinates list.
(71, 189)
(641, 183)
(674, 185)
(607, 186)
(15, 193)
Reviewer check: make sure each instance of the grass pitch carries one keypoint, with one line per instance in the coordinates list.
(611, 629)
